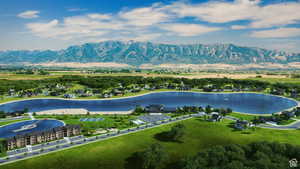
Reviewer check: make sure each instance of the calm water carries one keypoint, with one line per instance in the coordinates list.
(8, 130)
(240, 102)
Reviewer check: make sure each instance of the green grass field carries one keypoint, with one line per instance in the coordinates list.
(286, 122)
(241, 116)
(279, 80)
(110, 121)
(112, 153)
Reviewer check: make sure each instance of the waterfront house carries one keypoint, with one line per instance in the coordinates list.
(11, 92)
(215, 117)
(242, 124)
(169, 109)
(294, 94)
(69, 96)
(154, 108)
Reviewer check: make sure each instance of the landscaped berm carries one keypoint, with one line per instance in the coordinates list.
(119, 152)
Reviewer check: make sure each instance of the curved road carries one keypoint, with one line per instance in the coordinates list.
(294, 125)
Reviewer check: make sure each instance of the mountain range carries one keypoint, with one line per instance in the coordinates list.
(138, 53)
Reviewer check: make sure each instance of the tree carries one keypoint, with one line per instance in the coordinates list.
(255, 155)
(139, 110)
(42, 72)
(229, 110)
(208, 109)
(2, 146)
(2, 114)
(26, 110)
(176, 133)
(152, 157)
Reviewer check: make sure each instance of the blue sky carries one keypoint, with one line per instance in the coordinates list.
(57, 24)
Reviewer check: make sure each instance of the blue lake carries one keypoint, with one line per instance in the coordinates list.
(40, 125)
(241, 102)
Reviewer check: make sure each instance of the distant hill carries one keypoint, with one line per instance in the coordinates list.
(138, 53)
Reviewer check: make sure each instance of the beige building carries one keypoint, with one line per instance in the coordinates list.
(43, 136)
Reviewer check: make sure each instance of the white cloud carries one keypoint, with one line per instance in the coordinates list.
(146, 16)
(238, 27)
(188, 29)
(42, 27)
(221, 12)
(145, 37)
(132, 24)
(217, 11)
(157, 20)
(65, 31)
(89, 22)
(29, 14)
(277, 33)
(277, 15)
(99, 16)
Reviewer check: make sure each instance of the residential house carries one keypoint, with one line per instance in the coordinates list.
(242, 124)
(215, 117)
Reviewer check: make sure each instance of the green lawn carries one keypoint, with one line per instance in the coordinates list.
(279, 80)
(110, 121)
(286, 122)
(112, 153)
(241, 116)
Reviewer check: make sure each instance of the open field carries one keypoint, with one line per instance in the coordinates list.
(109, 121)
(112, 153)
(195, 75)
(286, 122)
(278, 80)
(242, 116)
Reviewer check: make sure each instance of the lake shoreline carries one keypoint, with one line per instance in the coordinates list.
(154, 92)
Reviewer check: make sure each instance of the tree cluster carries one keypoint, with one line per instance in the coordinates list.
(258, 155)
(151, 158)
(176, 133)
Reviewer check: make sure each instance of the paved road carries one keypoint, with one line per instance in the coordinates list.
(295, 125)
